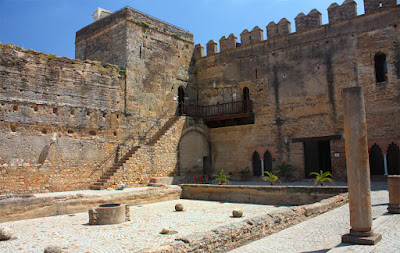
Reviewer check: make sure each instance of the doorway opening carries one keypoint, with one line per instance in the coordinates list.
(181, 100)
(317, 156)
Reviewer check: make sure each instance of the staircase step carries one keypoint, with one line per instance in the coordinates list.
(99, 184)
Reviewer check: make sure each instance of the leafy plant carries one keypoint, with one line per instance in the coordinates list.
(177, 36)
(221, 177)
(284, 169)
(143, 23)
(321, 177)
(271, 177)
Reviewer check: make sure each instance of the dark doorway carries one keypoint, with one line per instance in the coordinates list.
(267, 161)
(246, 98)
(317, 156)
(206, 166)
(256, 165)
(376, 163)
(181, 99)
(393, 159)
(246, 93)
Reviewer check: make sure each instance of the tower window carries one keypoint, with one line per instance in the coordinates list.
(380, 68)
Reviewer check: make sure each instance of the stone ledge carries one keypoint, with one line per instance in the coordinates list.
(21, 209)
(230, 236)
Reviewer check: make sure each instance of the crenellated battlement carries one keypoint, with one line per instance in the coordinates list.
(374, 5)
(282, 28)
(312, 20)
(336, 13)
(248, 38)
(347, 10)
(228, 43)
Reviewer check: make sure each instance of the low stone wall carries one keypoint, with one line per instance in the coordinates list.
(269, 195)
(230, 236)
(34, 207)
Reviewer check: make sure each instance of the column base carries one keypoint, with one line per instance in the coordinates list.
(362, 238)
(393, 208)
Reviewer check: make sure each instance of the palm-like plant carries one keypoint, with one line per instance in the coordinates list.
(271, 177)
(284, 169)
(321, 177)
(221, 177)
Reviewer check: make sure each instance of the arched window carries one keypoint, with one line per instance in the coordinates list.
(380, 67)
(393, 159)
(267, 161)
(246, 93)
(376, 163)
(256, 164)
(181, 99)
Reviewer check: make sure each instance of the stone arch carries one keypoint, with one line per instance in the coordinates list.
(380, 67)
(256, 164)
(376, 162)
(393, 159)
(267, 161)
(194, 152)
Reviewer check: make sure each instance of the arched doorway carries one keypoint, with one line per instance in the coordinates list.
(181, 99)
(376, 163)
(267, 161)
(256, 164)
(194, 154)
(393, 159)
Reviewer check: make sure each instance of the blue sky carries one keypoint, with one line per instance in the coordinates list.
(50, 25)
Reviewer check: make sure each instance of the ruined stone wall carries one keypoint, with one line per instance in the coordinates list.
(296, 81)
(59, 117)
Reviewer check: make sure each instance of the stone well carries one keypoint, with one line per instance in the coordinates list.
(109, 214)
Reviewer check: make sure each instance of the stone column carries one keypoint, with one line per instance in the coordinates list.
(358, 173)
(394, 194)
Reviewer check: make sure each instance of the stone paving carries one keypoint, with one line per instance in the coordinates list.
(323, 233)
(320, 234)
(72, 233)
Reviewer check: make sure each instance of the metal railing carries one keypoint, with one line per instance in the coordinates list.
(218, 110)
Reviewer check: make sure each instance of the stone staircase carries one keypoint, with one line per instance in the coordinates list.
(105, 178)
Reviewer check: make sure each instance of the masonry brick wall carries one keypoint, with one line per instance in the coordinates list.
(297, 91)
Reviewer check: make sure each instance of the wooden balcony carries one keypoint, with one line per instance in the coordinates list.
(221, 115)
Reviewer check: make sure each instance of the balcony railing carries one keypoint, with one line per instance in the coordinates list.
(219, 110)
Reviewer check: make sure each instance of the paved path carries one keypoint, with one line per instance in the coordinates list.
(323, 233)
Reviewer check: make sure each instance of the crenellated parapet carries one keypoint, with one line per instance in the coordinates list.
(248, 38)
(198, 51)
(228, 43)
(312, 20)
(347, 10)
(374, 5)
(282, 28)
(212, 48)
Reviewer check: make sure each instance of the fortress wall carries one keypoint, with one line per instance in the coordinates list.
(280, 34)
(295, 83)
(59, 117)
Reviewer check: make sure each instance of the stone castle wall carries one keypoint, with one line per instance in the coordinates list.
(295, 82)
(67, 117)
(58, 118)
